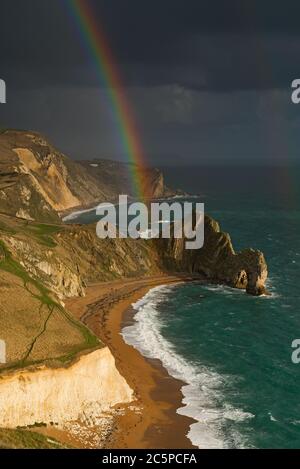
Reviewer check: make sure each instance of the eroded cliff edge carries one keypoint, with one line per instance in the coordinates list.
(43, 263)
(217, 260)
(38, 182)
(84, 389)
(40, 265)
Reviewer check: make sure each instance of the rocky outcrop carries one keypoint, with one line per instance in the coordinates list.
(217, 261)
(246, 269)
(80, 391)
(73, 256)
(57, 272)
(43, 262)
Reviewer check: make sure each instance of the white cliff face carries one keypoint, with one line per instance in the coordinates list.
(86, 388)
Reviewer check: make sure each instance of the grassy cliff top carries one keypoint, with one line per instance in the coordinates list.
(33, 322)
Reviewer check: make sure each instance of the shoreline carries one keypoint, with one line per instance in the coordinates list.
(73, 213)
(151, 420)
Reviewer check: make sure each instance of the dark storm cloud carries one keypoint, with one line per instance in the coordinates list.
(207, 79)
(203, 44)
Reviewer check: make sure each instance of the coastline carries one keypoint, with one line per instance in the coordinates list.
(151, 421)
(73, 213)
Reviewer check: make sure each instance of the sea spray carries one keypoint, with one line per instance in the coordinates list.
(200, 394)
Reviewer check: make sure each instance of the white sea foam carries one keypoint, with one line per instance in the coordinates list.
(225, 289)
(272, 418)
(76, 214)
(203, 386)
(271, 290)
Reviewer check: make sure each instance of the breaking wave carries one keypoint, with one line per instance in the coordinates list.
(203, 386)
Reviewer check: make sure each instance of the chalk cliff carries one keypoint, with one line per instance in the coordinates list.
(60, 371)
(82, 390)
(37, 182)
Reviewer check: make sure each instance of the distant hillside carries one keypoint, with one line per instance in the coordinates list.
(37, 182)
(115, 177)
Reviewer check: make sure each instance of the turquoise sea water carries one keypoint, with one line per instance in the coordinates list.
(234, 350)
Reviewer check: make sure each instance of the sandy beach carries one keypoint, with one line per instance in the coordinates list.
(151, 420)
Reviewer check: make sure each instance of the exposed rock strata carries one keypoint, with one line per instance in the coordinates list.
(78, 257)
(217, 261)
(84, 389)
(37, 182)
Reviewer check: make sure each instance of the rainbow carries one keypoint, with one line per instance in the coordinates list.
(94, 39)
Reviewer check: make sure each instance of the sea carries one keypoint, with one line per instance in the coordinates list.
(233, 350)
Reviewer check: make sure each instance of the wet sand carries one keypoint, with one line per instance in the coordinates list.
(151, 420)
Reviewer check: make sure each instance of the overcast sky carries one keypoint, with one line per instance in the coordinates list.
(209, 81)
